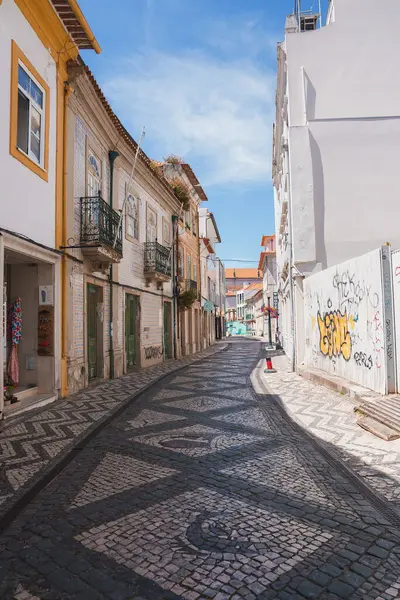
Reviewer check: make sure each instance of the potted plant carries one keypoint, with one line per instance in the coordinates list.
(186, 299)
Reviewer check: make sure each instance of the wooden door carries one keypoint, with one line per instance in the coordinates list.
(131, 314)
(92, 331)
(167, 330)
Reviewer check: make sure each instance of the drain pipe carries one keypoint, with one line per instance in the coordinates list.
(112, 156)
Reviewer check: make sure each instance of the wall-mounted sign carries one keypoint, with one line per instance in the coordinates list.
(46, 295)
(276, 302)
(46, 331)
(208, 306)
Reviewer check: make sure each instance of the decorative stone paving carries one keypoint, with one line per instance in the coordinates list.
(330, 417)
(228, 503)
(31, 443)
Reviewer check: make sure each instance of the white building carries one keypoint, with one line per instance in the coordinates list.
(335, 159)
(267, 266)
(212, 279)
(37, 40)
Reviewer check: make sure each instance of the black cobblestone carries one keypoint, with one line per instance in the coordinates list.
(201, 490)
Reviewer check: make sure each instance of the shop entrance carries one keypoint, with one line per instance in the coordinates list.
(28, 330)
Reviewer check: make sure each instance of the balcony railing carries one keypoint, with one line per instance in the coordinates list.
(100, 224)
(191, 285)
(157, 260)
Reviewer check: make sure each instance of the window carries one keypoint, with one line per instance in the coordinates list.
(151, 227)
(132, 218)
(180, 262)
(194, 272)
(188, 219)
(194, 224)
(189, 267)
(93, 175)
(166, 232)
(29, 122)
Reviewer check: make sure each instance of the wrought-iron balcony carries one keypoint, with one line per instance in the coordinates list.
(191, 285)
(99, 226)
(157, 262)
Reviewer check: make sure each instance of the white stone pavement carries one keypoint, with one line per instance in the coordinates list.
(330, 417)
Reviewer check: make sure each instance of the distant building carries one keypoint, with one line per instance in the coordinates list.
(267, 266)
(237, 279)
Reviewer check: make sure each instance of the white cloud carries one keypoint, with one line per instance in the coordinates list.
(215, 112)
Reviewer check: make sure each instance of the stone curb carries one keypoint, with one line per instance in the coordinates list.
(342, 386)
(60, 462)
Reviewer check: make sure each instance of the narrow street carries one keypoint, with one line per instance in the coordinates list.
(201, 489)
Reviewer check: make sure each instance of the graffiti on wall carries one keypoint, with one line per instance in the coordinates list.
(347, 332)
(335, 339)
(153, 352)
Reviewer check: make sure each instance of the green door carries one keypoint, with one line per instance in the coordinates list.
(92, 330)
(167, 330)
(131, 313)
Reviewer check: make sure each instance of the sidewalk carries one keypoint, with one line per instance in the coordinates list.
(38, 444)
(330, 417)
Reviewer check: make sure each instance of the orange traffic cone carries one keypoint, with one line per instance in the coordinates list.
(269, 368)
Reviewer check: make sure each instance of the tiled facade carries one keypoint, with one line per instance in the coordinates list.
(153, 335)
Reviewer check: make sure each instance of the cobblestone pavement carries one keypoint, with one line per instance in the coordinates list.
(330, 417)
(30, 444)
(200, 489)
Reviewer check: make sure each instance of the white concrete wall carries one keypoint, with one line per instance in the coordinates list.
(344, 320)
(344, 118)
(22, 191)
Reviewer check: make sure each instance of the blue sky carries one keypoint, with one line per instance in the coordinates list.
(200, 75)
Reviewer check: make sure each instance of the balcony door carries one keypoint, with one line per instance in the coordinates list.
(131, 330)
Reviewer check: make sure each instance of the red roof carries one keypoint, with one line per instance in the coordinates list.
(242, 274)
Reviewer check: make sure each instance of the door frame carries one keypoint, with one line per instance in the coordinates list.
(99, 332)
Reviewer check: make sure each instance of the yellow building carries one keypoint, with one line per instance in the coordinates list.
(189, 319)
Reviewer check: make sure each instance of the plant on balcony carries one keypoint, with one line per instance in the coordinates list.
(186, 298)
(173, 159)
(182, 192)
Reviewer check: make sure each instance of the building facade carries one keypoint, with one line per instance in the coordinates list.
(334, 157)
(38, 39)
(182, 179)
(212, 279)
(120, 229)
(267, 266)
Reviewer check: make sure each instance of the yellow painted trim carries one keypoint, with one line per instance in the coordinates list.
(16, 56)
(63, 94)
(85, 26)
(48, 27)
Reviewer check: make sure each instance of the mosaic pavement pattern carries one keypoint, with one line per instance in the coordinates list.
(30, 443)
(186, 496)
(329, 416)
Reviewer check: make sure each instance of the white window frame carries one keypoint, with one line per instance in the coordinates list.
(97, 178)
(40, 110)
(129, 217)
(149, 211)
(166, 226)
